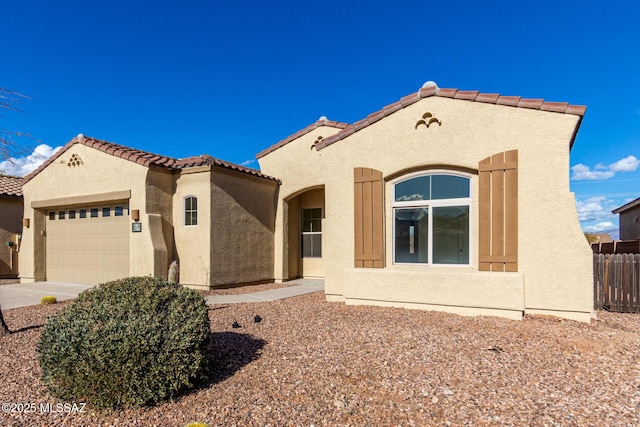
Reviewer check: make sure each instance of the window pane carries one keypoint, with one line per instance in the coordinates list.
(72, 214)
(191, 203)
(83, 213)
(449, 187)
(106, 211)
(61, 214)
(317, 245)
(414, 189)
(191, 218)
(451, 235)
(118, 211)
(412, 235)
(312, 245)
(191, 211)
(314, 213)
(52, 216)
(94, 212)
(312, 220)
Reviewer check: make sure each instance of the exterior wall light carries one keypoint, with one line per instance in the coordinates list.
(25, 222)
(135, 214)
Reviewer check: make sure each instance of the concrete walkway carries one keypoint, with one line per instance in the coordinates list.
(24, 294)
(300, 287)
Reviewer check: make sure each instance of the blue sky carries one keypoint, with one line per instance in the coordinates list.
(231, 78)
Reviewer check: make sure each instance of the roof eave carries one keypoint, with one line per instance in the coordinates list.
(626, 207)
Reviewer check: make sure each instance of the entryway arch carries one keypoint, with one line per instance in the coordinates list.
(304, 227)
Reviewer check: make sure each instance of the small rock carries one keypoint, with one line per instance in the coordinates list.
(448, 392)
(435, 399)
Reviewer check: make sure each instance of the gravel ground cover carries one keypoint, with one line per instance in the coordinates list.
(246, 289)
(310, 362)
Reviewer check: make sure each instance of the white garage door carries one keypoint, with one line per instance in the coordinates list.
(88, 245)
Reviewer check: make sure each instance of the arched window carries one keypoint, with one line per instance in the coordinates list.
(190, 210)
(431, 219)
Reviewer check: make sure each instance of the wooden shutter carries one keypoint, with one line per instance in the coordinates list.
(369, 214)
(498, 206)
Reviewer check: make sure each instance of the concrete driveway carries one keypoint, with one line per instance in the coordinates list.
(23, 294)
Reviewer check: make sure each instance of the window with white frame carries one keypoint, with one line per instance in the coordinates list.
(431, 219)
(311, 233)
(190, 210)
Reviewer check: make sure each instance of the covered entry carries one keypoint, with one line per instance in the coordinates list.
(87, 244)
(306, 212)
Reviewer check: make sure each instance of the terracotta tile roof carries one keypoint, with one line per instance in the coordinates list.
(322, 121)
(146, 158)
(425, 92)
(10, 185)
(474, 96)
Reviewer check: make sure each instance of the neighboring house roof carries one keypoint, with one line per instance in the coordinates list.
(631, 204)
(146, 158)
(425, 92)
(10, 185)
(602, 238)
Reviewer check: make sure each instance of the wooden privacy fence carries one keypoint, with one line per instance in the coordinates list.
(616, 280)
(617, 247)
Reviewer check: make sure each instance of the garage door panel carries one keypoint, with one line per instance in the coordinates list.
(87, 250)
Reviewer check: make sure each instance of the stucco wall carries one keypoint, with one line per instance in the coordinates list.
(160, 187)
(193, 242)
(10, 225)
(242, 226)
(59, 185)
(553, 278)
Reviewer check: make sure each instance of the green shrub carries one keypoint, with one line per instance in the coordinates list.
(128, 343)
(48, 299)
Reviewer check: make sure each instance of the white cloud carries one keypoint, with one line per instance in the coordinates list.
(594, 209)
(600, 171)
(628, 164)
(582, 171)
(247, 162)
(601, 227)
(22, 166)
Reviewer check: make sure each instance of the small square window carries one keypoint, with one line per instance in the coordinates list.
(106, 212)
(72, 214)
(52, 216)
(83, 213)
(94, 212)
(118, 211)
(61, 215)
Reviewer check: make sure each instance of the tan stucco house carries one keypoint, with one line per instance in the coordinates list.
(10, 224)
(99, 211)
(437, 201)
